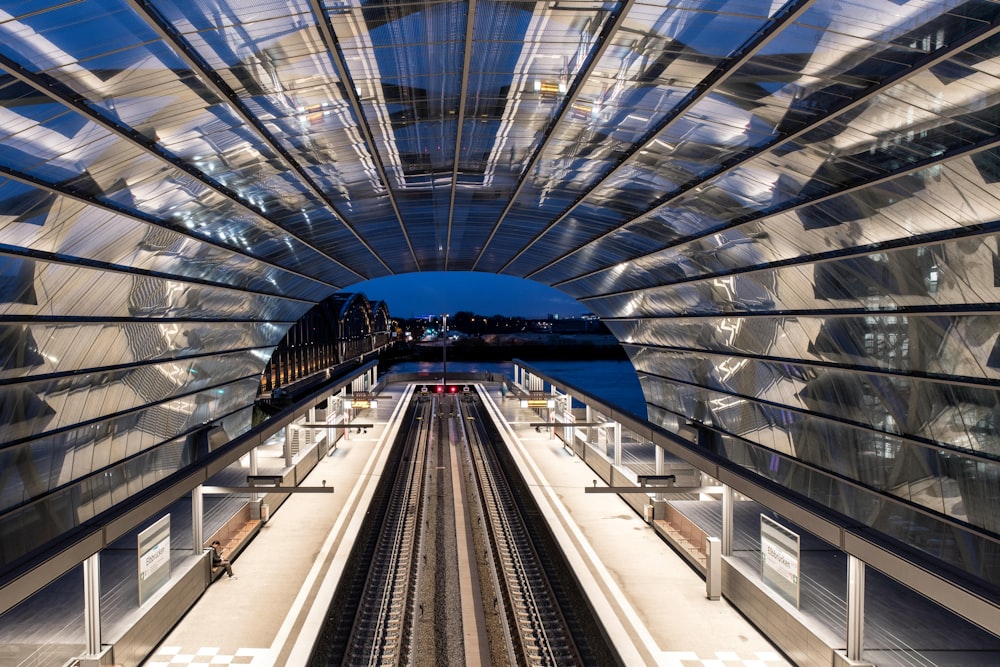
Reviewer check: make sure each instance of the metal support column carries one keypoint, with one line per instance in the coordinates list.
(616, 433)
(253, 471)
(727, 520)
(713, 573)
(346, 404)
(197, 520)
(253, 461)
(660, 464)
(288, 445)
(311, 419)
(855, 607)
(92, 603)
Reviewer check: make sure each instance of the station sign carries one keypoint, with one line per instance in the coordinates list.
(780, 550)
(154, 558)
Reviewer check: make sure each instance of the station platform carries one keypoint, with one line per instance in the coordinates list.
(653, 603)
(645, 586)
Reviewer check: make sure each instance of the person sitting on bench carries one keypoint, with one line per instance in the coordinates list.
(219, 561)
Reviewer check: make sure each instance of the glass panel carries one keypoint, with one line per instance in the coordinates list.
(39, 220)
(37, 406)
(47, 349)
(273, 57)
(62, 599)
(44, 288)
(933, 112)
(146, 87)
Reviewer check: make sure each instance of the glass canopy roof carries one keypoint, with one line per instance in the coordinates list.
(787, 213)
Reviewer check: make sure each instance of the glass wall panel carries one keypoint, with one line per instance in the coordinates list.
(906, 125)
(940, 275)
(72, 229)
(834, 467)
(50, 349)
(46, 288)
(60, 604)
(963, 348)
(37, 406)
(148, 90)
(77, 500)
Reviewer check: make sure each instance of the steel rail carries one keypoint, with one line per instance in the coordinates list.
(544, 637)
(380, 633)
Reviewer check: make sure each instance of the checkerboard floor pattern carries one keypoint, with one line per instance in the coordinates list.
(720, 659)
(167, 656)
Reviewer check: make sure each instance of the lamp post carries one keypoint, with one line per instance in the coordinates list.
(444, 351)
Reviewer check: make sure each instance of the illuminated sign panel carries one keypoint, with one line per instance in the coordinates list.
(154, 558)
(779, 559)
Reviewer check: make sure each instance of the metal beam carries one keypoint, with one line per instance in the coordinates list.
(654, 489)
(347, 425)
(269, 489)
(569, 424)
(470, 19)
(92, 603)
(855, 608)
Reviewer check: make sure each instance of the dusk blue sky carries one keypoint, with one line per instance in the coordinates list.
(439, 292)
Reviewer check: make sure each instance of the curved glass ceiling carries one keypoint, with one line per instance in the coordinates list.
(787, 213)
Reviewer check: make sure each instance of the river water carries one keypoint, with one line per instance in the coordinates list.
(614, 382)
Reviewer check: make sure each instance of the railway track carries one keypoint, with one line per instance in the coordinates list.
(537, 631)
(382, 624)
(404, 604)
